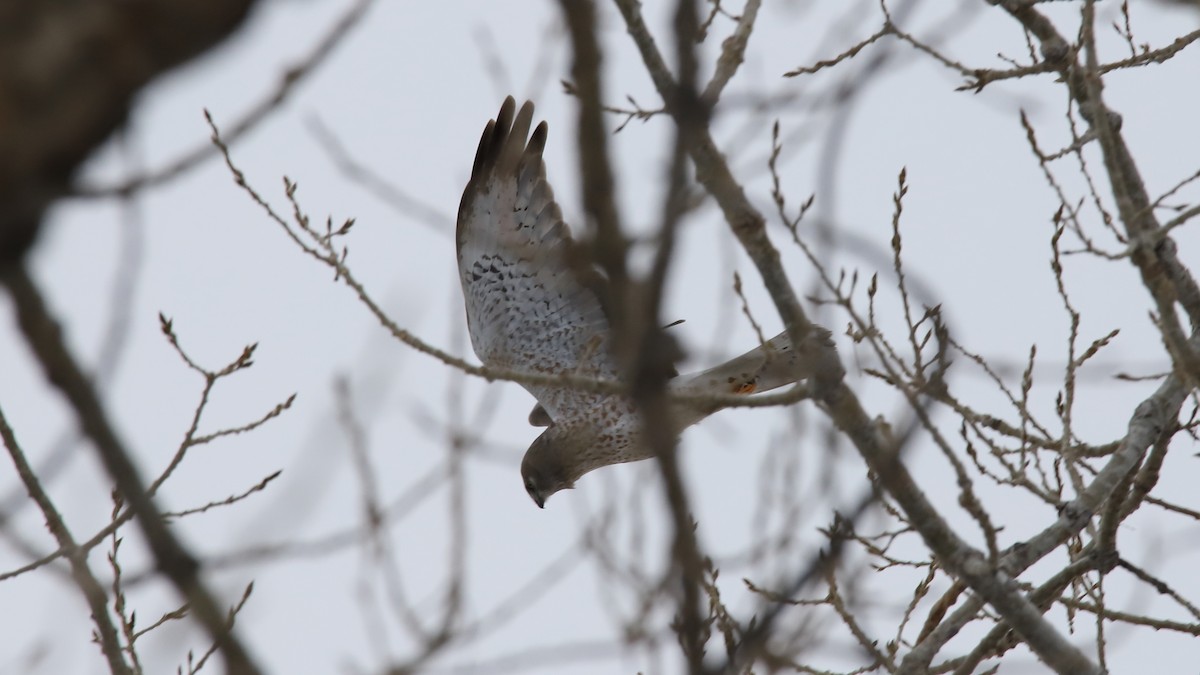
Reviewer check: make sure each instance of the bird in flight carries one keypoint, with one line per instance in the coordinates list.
(533, 307)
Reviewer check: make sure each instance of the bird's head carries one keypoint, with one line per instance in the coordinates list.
(554, 461)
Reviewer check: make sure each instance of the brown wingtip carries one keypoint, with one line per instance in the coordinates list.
(505, 116)
(537, 142)
(518, 134)
(484, 143)
(504, 138)
(494, 134)
(504, 147)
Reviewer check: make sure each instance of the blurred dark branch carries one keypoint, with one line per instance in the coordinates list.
(68, 75)
(111, 351)
(607, 241)
(654, 358)
(292, 76)
(641, 347)
(44, 338)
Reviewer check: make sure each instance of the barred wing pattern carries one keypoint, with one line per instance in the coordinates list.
(528, 307)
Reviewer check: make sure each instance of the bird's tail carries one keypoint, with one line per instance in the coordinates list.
(768, 366)
(771, 365)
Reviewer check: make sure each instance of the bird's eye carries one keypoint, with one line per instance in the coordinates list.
(529, 486)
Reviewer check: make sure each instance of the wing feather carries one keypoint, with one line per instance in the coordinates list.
(530, 305)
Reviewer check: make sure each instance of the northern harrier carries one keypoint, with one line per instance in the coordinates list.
(533, 308)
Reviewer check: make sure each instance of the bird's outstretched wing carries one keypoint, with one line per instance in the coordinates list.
(530, 305)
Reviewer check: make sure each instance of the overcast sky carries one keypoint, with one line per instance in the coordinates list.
(407, 94)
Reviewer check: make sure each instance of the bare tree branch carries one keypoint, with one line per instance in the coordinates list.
(44, 338)
(93, 592)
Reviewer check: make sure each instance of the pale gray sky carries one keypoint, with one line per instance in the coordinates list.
(408, 94)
